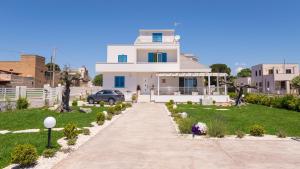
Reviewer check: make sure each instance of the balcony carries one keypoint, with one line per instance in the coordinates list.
(137, 67)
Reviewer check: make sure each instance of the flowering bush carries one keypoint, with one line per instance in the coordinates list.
(199, 128)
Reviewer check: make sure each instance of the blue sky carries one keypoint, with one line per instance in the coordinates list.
(234, 32)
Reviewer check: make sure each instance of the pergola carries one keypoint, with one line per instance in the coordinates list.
(194, 74)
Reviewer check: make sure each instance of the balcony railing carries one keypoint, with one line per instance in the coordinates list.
(190, 91)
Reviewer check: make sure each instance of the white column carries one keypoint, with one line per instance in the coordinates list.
(218, 85)
(208, 84)
(225, 79)
(287, 87)
(158, 85)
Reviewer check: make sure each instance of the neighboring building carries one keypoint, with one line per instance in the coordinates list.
(12, 79)
(155, 65)
(83, 76)
(274, 78)
(240, 81)
(29, 66)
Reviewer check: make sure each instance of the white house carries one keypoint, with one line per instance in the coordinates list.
(155, 65)
(274, 78)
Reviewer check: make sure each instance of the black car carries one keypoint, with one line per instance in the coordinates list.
(110, 96)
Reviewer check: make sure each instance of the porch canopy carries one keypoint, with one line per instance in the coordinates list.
(195, 74)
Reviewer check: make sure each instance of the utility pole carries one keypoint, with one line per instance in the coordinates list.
(53, 67)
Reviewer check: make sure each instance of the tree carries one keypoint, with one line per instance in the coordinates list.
(67, 80)
(50, 67)
(296, 83)
(244, 73)
(98, 80)
(220, 68)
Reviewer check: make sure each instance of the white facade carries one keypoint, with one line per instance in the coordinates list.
(144, 64)
(274, 78)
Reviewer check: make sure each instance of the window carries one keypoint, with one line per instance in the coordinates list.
(271, 71)
(157, 57)
(268, 84)
(163, 80)
(122, 58)
(259, 72)
(277, 71)
(256, 73)
(107, 92)
(119, 81)
(288, 71)
(156, 37)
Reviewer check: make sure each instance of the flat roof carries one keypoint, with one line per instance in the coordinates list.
(157, 30)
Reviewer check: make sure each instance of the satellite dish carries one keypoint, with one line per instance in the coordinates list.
(177, 37)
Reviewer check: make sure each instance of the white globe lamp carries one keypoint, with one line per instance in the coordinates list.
(49, 123)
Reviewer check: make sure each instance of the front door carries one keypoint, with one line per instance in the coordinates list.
(187, 85)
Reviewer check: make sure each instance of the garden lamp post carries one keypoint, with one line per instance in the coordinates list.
(49, 123)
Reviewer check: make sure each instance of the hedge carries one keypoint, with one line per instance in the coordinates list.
(288, 102)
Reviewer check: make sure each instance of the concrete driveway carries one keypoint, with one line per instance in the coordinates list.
(145, 138)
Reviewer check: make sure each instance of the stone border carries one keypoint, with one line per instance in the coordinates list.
(65, 150)
(227, 137)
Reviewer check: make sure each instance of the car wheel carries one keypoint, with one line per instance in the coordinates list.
(111, 101)
(91, 101)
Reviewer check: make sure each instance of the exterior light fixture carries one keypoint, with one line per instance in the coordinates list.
(49, 123)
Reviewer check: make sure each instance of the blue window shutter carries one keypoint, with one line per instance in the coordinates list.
(164, 57)
(119, 81)
(150, 57)
(122, 58)
(156, 37)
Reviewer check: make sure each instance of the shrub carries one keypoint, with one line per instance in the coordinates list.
(48, 153)
(171, 101)
(101, 103)
(109, 116)
(232, 95)
(189, 102)
(24, 154)
(214, 102)
(128, 104)
(281, 134)
(111, 110)
(100, 118)
(216, 128)
(22, 103)
(74, 103)
(86, 131)
(257, 130)
(70, 131)
(72, 142)
(239, 134)
(134, 98)
(118, 108)
(185, 125)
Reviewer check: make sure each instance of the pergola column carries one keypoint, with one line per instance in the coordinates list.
(208, 84)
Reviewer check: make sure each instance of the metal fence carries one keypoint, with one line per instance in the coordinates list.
(7, 94)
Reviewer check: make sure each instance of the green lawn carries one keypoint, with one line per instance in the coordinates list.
(34, 118)
(39, 140)
(242, 118)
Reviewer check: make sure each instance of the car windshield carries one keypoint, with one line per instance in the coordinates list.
(118, 92)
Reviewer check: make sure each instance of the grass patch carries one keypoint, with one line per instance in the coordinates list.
(39, 140)
(242, 118)
(34, 118)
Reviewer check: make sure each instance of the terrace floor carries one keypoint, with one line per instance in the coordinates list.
(145, 137)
